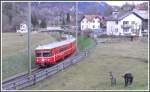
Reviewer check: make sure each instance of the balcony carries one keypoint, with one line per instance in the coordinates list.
(125, 26)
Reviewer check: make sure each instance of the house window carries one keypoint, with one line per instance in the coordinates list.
(116, 30)
(132, 26)
(132, 22)
(82, 26)
(126, 30)
(116, 22)
(93, 26)
(125, 22)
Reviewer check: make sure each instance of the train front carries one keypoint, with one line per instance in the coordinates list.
(43, 56)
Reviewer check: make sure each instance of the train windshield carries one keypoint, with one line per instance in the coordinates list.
(43, 54)
(46, 54)
(38, 54)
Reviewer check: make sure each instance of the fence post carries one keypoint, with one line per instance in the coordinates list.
(71, 61)
(30, 79)
(57, 68)
(86, 52)
(46, 73)
(14, 85)
(62, 66)
(34, 79)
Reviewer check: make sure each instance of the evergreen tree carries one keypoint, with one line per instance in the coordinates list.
(34, 21)
(68, 18)
(43, 24)
(11, 10)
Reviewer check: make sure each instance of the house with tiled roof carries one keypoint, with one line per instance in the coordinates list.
(92, 22)
(127, 23)
(22, 28)
(143, 14)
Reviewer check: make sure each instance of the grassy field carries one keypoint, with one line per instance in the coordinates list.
(92, 73)
(14, 51)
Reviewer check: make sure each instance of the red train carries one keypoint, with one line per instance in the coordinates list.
(53, 52)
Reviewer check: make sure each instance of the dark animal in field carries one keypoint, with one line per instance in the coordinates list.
(112, 78)
(128, 78)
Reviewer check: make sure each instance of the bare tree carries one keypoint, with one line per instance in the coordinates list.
(11, 14)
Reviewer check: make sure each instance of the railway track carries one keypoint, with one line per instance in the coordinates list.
(38, 74)
(24, 80)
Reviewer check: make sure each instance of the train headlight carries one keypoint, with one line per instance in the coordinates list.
(42, 59)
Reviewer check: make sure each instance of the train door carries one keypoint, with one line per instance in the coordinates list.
(53, 52)
(65, 47)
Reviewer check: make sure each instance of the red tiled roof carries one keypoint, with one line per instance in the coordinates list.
(91, 17)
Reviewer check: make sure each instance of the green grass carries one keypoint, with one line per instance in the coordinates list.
(92, 73)
(84, 42)
(14, 51)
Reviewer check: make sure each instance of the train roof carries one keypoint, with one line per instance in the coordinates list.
(56, 44)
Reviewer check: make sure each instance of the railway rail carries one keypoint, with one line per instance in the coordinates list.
(24, 80)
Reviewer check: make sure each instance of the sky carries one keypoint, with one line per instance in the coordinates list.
(120, 3)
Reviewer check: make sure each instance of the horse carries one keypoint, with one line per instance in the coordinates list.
(128, 78)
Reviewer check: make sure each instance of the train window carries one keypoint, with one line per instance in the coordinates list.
(38, 54)
(61, 49)
(65, 47)
(57, 50)
(46, 54)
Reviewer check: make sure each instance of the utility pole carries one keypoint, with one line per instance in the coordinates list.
(77, 25)
(29, 38)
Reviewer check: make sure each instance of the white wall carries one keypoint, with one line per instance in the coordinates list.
(96, 23)
(111, 25)
(23, 28)
(85, 24)
(130, 18)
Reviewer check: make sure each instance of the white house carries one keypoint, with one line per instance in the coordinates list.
(22, 28)
(124, 24)
(143, 14)
(90, 22)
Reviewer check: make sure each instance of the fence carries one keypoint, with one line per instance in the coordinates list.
(32, 79)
